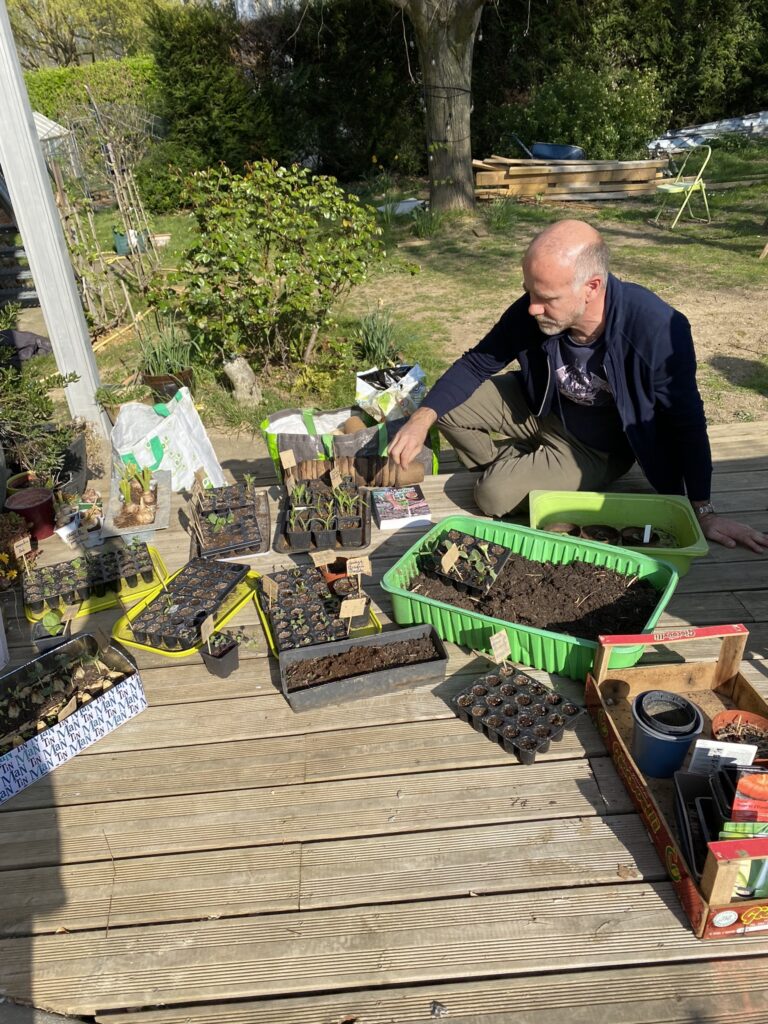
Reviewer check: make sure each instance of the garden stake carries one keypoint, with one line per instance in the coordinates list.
(646, 533)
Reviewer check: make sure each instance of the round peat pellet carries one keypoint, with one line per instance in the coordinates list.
(510, 732)
(527, 743)
(556, 721)
(525, 721)
(536, 688)
(538, 710)
(522, 699)
(569, 709)
(492, 680)
(553, 698)
(510, 710)
(508, 689)
(479, 710)
(541, 731)
(494, 699)
(494, 721)
(479, 691)
(464, 700)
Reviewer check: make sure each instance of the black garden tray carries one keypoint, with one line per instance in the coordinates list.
(281, 541)
(263, 521)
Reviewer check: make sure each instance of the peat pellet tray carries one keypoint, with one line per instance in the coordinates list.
(305, 612)
(519, 713)
(229, 522)
(365, 682)
(93, 582)
(169, 619)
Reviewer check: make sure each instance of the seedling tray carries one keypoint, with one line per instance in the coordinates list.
(111, 598)
(668, 512)
(463, 576)
(221, 548)
(280, 637)
(236, 586)
(517, 712)
(216, 499)
(539, 648)
(281, 541)
(370, 684)
(711, 907)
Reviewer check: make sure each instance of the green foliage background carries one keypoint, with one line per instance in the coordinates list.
(57, 92)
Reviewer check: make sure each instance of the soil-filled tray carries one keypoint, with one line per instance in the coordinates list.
(669, 515)
(168, 620)
(366, 667)
(463, 621)
(93, 581)
(522, 715)
(315, 517)
(221, 530)
(305, 610)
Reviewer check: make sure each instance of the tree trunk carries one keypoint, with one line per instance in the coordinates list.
(445, 35)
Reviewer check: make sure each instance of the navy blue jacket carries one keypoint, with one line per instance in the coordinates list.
(649, 363)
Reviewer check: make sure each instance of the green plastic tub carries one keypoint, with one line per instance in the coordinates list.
(538, 648)
(668, 512)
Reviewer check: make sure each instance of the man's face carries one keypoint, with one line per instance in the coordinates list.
(553, 301)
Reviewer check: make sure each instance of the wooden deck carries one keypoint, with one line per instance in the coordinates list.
(222, 860)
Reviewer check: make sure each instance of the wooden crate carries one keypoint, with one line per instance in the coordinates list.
(713, 686)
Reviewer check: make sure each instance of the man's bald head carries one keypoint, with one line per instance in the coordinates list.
(572, 244)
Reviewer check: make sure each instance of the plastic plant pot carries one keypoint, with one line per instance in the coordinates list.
(350, 531)
(660, 754)
(569, 529)
(35, 505)
(43, 640)
(601, 532)
(667, 713)
(739, 727)
(221, 660)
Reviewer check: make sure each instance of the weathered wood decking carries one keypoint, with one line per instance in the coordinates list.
(222, 860)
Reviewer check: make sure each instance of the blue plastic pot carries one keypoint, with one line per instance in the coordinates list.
(657, 753)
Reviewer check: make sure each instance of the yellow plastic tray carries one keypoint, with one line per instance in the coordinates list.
(374, 626)
(112, 598)
(241, 595)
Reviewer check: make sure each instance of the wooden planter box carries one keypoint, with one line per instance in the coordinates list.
(713, 686)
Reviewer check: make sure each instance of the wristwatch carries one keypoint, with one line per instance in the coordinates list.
(706, 508)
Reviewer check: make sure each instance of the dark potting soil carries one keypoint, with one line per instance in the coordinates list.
(578, 600)
(358, 661)
(746, 734)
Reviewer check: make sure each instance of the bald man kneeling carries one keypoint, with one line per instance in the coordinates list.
(606, 377)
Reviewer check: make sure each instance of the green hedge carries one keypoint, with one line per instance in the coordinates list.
(56, 92)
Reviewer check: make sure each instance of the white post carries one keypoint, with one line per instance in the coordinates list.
(38, 221)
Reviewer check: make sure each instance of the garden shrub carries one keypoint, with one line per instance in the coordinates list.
(610, 114)
(160, 175)
(276, 248)
(58, 92)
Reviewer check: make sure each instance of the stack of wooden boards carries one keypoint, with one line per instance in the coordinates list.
(498, 176)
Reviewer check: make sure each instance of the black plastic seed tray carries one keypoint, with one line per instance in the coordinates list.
(172, 620)
(477, 568)
(88, 575)
(216, 499)
(521, 714)
(306, 610)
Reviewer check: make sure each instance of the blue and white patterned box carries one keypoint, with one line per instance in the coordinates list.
(42, 753)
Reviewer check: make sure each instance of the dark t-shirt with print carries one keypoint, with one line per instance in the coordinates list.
(584, 401)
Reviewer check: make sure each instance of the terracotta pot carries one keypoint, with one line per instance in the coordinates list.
(22, 481)
(35, 505)
(722, 721)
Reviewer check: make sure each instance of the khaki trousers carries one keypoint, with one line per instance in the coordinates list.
(536, 454)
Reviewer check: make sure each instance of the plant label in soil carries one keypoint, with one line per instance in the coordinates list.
(500, 646)
(288, 459)
(450, 558)
(320, 558)
(335, 477)
(70, 612)
(359, 566)
(206, 628)
(23, 546)
(270, 588)
(352, 607)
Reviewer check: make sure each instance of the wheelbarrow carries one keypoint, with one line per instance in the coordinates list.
(549, 150)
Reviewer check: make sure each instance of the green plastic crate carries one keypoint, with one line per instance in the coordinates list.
(667, 512)
(538, 648)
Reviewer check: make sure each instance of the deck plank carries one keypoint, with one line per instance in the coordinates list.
(352, 948)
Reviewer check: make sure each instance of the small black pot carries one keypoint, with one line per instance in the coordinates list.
(299, 540)
(43, 640)
(351, 531)
(324, 539)
(222, 662)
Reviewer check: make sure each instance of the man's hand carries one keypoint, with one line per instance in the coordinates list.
(409, 440)
(730, 533)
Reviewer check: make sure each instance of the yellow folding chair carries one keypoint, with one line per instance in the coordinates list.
(687, 187)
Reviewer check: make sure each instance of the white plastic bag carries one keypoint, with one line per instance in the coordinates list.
(390, 393)
(176, 441)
